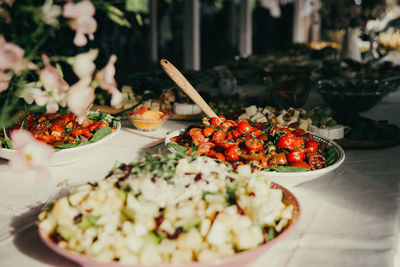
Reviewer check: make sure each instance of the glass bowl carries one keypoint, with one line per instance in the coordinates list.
(356, 95)
(148, 125)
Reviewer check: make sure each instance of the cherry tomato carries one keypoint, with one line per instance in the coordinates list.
(211, 153)
(204, 148)
(312, 143)
(208, 131)
(225, 144)
(241, 120)
(298, 143)
(217, 121)
(197, 136)
(254, 144)
(278, 159)
(312, 146)
(244, 127)
(296, 155)
(235, 134)
(219, 135)
(256, 132)
(232, 153)
(228, 124)
(263, 137)
(298, 132)
(300, 164)
(286, 141)
(220, 156)
(311, 149)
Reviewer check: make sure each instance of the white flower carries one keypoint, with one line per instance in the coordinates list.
(31, 90)
(83, 65)
(50, 13)
(31, 154)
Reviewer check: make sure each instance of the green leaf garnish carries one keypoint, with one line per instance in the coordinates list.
(176, 146)
(285, 169)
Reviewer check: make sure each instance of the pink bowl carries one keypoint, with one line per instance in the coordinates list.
(237, 260)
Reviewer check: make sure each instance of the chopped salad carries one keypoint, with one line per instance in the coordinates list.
(169, 209)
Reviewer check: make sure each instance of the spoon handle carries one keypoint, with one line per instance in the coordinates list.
(184, 84)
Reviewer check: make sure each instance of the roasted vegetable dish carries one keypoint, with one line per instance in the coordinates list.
(262, 145)
(62, 130)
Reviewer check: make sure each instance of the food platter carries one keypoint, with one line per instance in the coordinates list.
(238, 259)
(68, 155)
(290, 179)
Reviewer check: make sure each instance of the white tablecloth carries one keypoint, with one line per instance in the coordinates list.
(349, 217)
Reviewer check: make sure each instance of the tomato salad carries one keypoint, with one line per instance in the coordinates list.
(62, 130)
(265, 146)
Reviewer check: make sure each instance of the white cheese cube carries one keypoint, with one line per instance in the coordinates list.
(251, 110)
(182, 256)
(134, 243)
(150, 255)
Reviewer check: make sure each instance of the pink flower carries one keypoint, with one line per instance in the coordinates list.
(82, 20)
(105, 78)
(4, 81)
(8, 2)
(55, 86)
(31, 154)
(12, 57)
(80, 96)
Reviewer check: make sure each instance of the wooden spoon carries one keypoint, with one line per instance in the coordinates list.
(184, 84)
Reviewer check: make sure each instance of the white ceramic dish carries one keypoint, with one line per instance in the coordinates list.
(237, 260)
(67, 155)
(290, 179)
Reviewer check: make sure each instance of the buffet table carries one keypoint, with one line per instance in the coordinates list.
(349, 217)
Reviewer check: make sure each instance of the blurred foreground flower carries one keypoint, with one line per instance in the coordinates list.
(50, 13)
(31, 154)
(12, 57)
(83, 65)
(56, 89)
(80, 96)
(106, 80)
(82, 20)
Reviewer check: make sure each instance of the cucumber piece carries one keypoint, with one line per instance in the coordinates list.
(65, 232)
(191, 223)
(88, 221)
(154, 237)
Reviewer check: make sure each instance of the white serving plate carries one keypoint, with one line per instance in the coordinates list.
(290, 179)
(67, 155)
